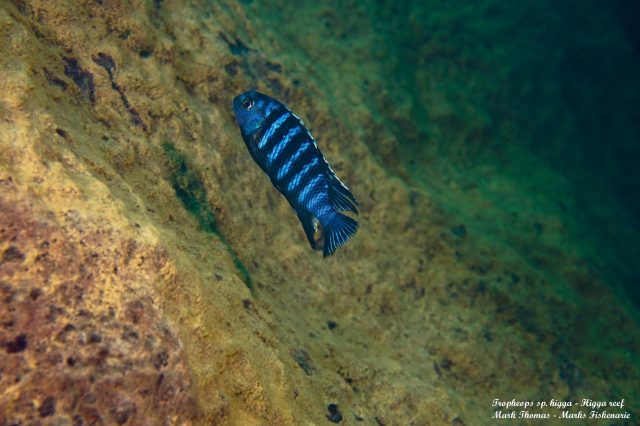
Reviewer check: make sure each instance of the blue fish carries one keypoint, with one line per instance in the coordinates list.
(285, 150)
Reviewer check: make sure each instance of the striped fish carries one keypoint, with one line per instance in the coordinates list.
(285, 150)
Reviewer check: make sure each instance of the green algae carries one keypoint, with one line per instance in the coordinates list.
(193, 195)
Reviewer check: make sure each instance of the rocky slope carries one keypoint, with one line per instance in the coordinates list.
(150, 274)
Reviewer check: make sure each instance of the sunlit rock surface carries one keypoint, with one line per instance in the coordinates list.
(150, 274)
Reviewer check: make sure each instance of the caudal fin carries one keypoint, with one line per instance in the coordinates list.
(337, 231)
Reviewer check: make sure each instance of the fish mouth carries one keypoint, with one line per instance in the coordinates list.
(236, 104)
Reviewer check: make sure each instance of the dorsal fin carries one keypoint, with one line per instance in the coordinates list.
(341, 198)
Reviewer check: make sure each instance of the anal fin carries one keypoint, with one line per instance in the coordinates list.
(309, 224)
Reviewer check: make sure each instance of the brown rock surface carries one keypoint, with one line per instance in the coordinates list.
(83, 338)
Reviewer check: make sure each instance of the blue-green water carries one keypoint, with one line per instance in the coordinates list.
(524, 89)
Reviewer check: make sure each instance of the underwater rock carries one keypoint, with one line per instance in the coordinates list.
(150, 274)
(63, 315)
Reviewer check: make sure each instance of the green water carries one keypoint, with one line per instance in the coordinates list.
(532, 91)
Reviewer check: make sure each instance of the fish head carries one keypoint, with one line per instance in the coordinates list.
(250, 109)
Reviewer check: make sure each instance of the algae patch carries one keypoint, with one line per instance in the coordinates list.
(193, 195)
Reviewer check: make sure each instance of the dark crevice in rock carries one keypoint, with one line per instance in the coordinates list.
(19, 344)
(333, 413)
(305, 362)
(237, 47)
(12, 254)
(106, 62)
(83, 79)
(48, 407)
(53, 80)
(161, 360)
(22, 6)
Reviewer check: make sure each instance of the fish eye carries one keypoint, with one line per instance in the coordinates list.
(247, 104)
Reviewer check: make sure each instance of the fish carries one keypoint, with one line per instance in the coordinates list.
(283, 147)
